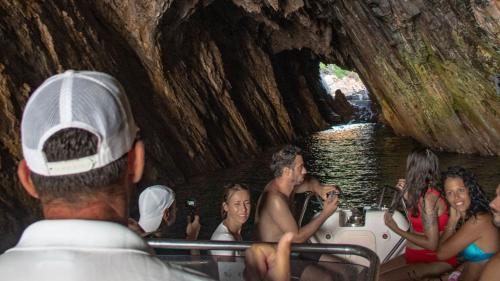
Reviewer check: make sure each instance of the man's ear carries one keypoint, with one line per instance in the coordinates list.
(166, 215)
(136, 161)
(23, 172)
(286, 171)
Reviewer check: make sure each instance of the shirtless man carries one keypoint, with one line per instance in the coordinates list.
(273, 216)
(492, 269)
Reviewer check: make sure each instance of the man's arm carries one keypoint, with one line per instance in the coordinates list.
(313, 185)
(309, 184)
(281, 215)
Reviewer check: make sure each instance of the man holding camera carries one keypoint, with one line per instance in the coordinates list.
(81, 159)
(158, 211)
(273, 216)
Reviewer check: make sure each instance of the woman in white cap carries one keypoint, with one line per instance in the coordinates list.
(235, 210)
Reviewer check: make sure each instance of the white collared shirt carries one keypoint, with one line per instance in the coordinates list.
(86, 250)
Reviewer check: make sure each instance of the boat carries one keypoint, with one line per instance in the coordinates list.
(232, 268)
(362, 226)
(357, 237)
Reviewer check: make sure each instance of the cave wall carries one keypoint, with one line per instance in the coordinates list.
(213, 82)
(430, 65)
(203, 91)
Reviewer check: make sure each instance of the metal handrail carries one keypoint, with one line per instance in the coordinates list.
(304, 208)
(402, 239)
(334, 249)
(382, 196)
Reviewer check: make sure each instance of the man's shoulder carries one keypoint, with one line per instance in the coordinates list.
(275, 204)
(125, 264)
(275, 198)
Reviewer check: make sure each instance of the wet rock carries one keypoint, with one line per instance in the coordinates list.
(213, 82)
(343, 107)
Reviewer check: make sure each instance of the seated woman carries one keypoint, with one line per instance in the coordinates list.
(428, 215)
(235, 210)
(470, 231)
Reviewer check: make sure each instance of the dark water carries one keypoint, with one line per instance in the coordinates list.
(360, 158)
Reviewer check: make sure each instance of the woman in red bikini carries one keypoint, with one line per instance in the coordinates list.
(428, 214)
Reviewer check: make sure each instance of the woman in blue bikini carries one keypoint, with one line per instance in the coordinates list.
(470, 232)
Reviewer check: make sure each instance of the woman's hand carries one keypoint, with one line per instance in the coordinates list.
(401, 184)
(389, 221)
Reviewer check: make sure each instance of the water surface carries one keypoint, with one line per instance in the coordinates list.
(360, 158)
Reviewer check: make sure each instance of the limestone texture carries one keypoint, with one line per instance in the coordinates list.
(213, 82)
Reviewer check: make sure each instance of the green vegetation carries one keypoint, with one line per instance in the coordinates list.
(333, 69)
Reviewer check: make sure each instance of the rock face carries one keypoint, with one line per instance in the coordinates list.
(342, 106)
(212, 82)
(430, 65)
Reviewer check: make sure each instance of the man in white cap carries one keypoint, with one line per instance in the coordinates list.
(158, 211)
(156, 208)
(81, 158)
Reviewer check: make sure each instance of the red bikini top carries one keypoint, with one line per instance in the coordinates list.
(416, 222)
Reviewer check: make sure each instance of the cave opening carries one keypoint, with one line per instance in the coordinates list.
(351, 98)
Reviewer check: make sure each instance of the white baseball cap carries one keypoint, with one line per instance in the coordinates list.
(153, 202)
(88, 100)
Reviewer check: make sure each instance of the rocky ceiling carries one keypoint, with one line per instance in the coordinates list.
(212, 82)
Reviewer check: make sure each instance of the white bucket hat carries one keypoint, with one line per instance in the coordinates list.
(88, 100)
(153, 202)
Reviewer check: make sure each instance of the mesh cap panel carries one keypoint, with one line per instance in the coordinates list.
(42, 119)
(91, 101)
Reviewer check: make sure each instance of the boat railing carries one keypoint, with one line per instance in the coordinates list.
(332, 249)
(304, 207)
(402, 239)
(395, 190)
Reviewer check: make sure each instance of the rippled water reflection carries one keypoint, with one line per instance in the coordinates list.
(360, 158)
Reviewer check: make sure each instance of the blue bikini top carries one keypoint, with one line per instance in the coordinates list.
(474, 254)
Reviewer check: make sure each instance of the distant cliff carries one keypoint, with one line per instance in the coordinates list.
(213, 82)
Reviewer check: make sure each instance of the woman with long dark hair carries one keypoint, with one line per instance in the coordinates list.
(470, 231)
(428, 214)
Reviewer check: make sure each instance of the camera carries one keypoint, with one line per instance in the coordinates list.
(332, 193)
(191, 206)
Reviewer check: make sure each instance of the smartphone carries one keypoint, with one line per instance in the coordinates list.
(192, 207)
(332, 194)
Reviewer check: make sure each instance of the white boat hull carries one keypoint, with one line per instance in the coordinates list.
(367, 229)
